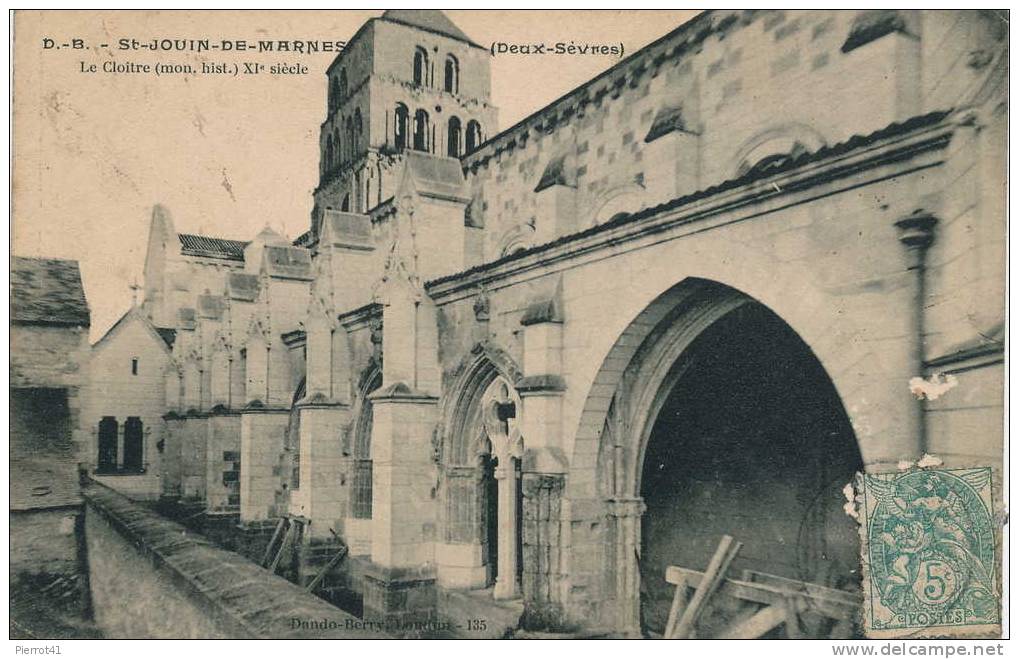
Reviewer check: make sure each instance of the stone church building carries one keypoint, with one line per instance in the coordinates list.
(520, 371)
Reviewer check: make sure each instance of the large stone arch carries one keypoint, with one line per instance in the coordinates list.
(639, 371)
(837, 328)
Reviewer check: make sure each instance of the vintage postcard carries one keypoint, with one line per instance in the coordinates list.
(538, 324)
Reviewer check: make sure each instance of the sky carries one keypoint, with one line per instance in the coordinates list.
(94, 151)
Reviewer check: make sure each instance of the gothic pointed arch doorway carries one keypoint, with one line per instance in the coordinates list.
(723, 421)
(480, 459)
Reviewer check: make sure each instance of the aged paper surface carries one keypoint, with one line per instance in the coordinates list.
(508, 324)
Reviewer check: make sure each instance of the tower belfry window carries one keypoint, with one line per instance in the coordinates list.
(451, 80)
(402, 118)
(473, 135)
(420, 66)
(421, 131)
(453, 138)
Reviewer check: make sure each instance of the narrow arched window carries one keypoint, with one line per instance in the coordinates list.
(401, 118)
(453, 138)
(361, 504)
(334, 94)
(329, 156)
(348, 127)
(107, 458)
(343, 88)
(451, 81)
(421, 130)
(473, 135)
(420, 66)
(345, 206)
(133, 438)
(337, 149)
(356, 139)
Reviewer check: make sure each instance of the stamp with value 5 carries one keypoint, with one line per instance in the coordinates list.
(929, 554)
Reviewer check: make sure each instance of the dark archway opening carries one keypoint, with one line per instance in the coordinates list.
(752, 442)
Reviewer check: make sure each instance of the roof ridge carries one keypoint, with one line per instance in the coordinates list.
(202, 235)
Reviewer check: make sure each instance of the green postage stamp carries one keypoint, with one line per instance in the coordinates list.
(929, 554)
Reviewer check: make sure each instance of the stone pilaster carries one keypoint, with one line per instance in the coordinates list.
(403, 510)
(323, 499)
(544, 464)
(542, 547)
(626, 515)
(262, 432)
(672, 154)
(223, 460)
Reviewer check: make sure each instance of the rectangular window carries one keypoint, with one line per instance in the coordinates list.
(134, 366)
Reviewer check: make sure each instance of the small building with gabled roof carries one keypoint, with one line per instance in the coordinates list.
(126, 404)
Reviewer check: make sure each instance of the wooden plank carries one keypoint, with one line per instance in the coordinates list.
(330, 565)
(792, 619)
(757, 625)
(767, 594)
(679, 602)
(707, 585)
(287, 539)
(272, 541)
(807, 588)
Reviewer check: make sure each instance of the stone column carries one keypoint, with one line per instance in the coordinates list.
(916, 233)
(626, 514)
(507, 586)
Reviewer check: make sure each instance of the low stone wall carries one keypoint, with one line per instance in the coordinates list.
(153, 578)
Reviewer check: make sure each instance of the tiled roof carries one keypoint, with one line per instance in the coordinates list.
(305, 239)
(430, 20)
(222, 248)
(753, 175)
(47, 292)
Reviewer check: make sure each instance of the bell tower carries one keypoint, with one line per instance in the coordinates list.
(409, 80)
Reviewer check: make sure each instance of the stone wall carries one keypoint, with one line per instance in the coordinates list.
(44, 541)
(150, 578)
(794, 68)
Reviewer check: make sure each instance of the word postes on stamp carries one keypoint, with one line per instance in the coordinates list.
(929, 554)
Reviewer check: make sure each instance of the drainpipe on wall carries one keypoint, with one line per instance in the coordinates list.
(916, 233)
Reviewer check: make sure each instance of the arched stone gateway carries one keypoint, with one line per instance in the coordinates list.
(721, 421)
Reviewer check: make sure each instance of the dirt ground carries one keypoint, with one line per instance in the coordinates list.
(48, 607)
